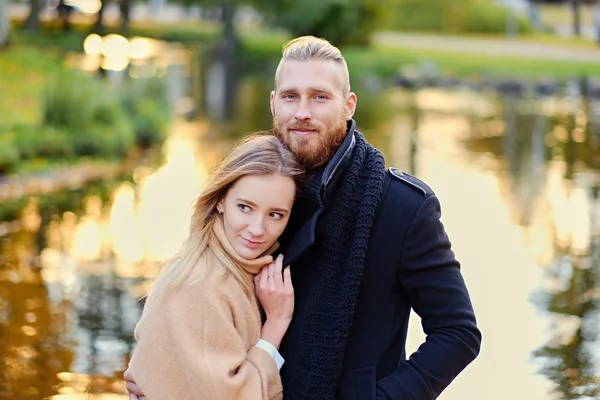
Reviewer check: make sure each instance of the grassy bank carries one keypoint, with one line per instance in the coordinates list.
(51, 116)
(24, 74)
(260, 47)
(386, 61)
(561, 14)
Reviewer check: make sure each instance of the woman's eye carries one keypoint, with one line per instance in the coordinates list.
(243, 207)
(276, 215)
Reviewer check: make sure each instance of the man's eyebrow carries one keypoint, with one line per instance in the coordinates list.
(313, 89)
(321, 90)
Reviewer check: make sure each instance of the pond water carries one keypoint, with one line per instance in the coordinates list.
(519, 182)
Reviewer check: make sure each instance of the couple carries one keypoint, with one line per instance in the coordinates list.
(362, 246)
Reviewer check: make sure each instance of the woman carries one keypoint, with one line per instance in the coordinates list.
(200, 335)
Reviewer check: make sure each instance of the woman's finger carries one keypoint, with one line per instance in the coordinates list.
(264, 277)
(277, 273)
(287, 277)
(270, 273)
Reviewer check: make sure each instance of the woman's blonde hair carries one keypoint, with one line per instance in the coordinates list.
(257, 154)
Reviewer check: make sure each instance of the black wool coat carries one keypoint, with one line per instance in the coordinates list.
(409, 265)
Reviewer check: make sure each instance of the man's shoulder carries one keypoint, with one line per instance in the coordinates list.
(404, 181)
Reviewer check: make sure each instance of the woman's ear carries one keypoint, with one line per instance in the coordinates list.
(220, 206)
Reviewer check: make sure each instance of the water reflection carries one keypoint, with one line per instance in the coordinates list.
(70, 280)
(548, 169)
(519, 180)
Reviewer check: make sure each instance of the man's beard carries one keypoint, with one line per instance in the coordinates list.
(315, 149)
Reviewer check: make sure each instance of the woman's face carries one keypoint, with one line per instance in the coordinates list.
(255, 211)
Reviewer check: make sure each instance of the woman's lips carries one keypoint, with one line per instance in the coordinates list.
(251, 244)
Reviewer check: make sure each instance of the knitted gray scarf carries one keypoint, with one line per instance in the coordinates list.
(330, 307)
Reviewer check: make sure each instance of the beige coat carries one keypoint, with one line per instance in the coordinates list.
(198, 341)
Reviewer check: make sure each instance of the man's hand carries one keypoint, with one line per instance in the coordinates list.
(135, 393)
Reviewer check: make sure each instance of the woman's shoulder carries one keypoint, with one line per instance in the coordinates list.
(217, 285)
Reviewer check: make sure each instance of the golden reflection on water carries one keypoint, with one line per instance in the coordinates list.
(501, 259)
(146, 221)
(505, 230)
(143, 223)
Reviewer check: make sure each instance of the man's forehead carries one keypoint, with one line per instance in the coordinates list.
(325, 75)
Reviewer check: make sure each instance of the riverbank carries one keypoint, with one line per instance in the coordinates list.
(533, 56)
(51, 115)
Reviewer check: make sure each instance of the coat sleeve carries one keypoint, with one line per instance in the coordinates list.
(214, 360)
(430, 276)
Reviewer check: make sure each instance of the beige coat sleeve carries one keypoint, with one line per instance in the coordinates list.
(214, 360)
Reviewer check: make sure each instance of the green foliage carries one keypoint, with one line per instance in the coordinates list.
(44, 141)
(339, 21)
(145, 102)
(451, 16)
(9, 154)
(65, 41)
(51, 115)
(90, 113)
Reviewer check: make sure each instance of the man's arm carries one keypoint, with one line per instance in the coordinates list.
(430, 276)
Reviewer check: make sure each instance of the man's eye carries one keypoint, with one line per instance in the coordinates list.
(289, 96)
(321, 97)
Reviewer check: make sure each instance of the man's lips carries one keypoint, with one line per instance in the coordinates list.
(302, 132)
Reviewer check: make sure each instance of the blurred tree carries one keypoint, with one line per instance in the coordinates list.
(339, 21)
(125, 8)
(32, 22)
(225, 50)
(576, 17)
(64, 14)
(4, 23)
(450, 16)
(98, 26)
(568, 361)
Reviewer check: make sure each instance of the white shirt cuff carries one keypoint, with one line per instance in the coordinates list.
(269, 348)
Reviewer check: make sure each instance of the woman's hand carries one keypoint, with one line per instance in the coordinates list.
(276, 295)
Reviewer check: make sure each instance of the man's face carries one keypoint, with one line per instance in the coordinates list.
(310, 109)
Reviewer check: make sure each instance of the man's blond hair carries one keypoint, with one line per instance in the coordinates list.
(305, 48)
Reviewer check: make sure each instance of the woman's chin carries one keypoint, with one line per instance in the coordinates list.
(248, 254)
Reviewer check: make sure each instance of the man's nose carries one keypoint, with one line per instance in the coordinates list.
(303, 111)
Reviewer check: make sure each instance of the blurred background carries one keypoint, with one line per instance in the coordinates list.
(111, 114)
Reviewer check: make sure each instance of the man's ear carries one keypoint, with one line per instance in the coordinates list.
(350, 105)
(271, 98)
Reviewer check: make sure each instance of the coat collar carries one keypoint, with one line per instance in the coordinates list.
(323, 186)
(338, 163)
(325, 180)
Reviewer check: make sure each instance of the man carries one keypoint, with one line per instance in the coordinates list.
(365, 246)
